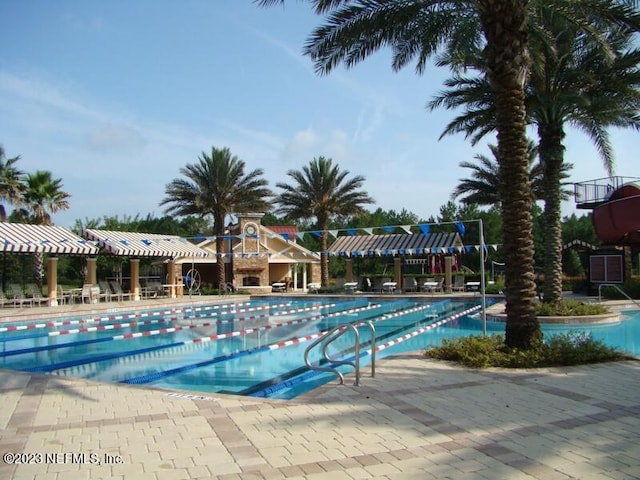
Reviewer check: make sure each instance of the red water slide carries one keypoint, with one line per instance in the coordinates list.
(617, 221)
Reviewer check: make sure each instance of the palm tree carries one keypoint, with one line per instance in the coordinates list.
(11, 183)
(575, 82)
(217, 185)
(355, 29)
(321, 190)
(43, 196)
(483, 188)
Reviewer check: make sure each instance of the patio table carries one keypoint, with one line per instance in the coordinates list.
(472, 286)
(350, 287)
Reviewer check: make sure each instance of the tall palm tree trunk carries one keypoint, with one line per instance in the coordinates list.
(38, 268)
(504, 24)
(220, 263)
(551, 154)
(323, 223)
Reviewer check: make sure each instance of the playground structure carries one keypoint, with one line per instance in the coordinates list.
(616, 208)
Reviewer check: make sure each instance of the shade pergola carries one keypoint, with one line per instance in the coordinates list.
(394, 244)
(25, 238)
(137, 244)
(397, 245)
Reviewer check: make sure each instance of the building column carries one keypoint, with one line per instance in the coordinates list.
(397, 272)
(91, 270)
(52, 281)
(304, 276)
(134, 286)
(349, 272)
(172, 278)
(295, 277)
(448, 262)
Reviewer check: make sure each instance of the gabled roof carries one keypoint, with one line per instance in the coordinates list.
(289, 231)
(394, 244)
(136, 244)
(27, 238)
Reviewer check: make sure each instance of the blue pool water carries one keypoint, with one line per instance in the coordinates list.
(253, 347)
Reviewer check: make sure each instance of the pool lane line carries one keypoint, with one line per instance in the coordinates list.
(110, 318)
(100, 328)
(267, 308)
(114, 317)
(421, 330)
(158, 332)
(229, 356)
(312, 373)
(232, 310)
(235, 333)
(197, 341)
(252, 351)
(35, 326)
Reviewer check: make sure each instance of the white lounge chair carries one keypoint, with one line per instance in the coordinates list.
(350, 287)
(433, 285)
(389, 287)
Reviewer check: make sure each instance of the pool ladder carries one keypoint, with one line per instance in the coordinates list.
(617, 288)
(333, 335)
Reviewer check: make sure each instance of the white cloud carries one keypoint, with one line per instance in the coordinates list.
(302, 146)
(116, 137)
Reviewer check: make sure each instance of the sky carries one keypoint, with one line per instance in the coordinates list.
(114, 98)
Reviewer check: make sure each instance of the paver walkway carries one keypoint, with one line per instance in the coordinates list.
(417, 419)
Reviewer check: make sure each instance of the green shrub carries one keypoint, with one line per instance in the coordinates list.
(494, 288)
(569, 308)
(559, 350)
(630, 287)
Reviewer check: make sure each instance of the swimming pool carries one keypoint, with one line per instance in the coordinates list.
(254, 347)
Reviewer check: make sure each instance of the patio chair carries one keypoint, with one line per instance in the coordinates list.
(35, 294)
(105, 291)
(458, 284)
(119, 293)
(17, 295)
(87, 293)
(410, 284)
(63, 297)
(4, 300)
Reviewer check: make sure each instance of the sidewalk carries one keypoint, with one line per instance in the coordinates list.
(417, 419)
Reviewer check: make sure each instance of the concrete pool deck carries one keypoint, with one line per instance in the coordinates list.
(417, 419)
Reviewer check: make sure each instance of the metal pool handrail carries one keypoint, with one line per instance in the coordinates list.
(617, 288)
(331, 336)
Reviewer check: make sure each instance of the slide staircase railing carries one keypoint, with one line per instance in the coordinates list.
(333, 335)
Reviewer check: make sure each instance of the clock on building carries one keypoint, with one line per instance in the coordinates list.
(250, 229)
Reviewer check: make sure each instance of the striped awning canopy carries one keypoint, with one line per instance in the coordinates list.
(135, 244)
(27, 238)
(397, 244)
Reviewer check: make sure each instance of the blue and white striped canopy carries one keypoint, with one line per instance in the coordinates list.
(136, 244)
(27, 238)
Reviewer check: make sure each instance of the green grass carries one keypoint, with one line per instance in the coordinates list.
(558, 350)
